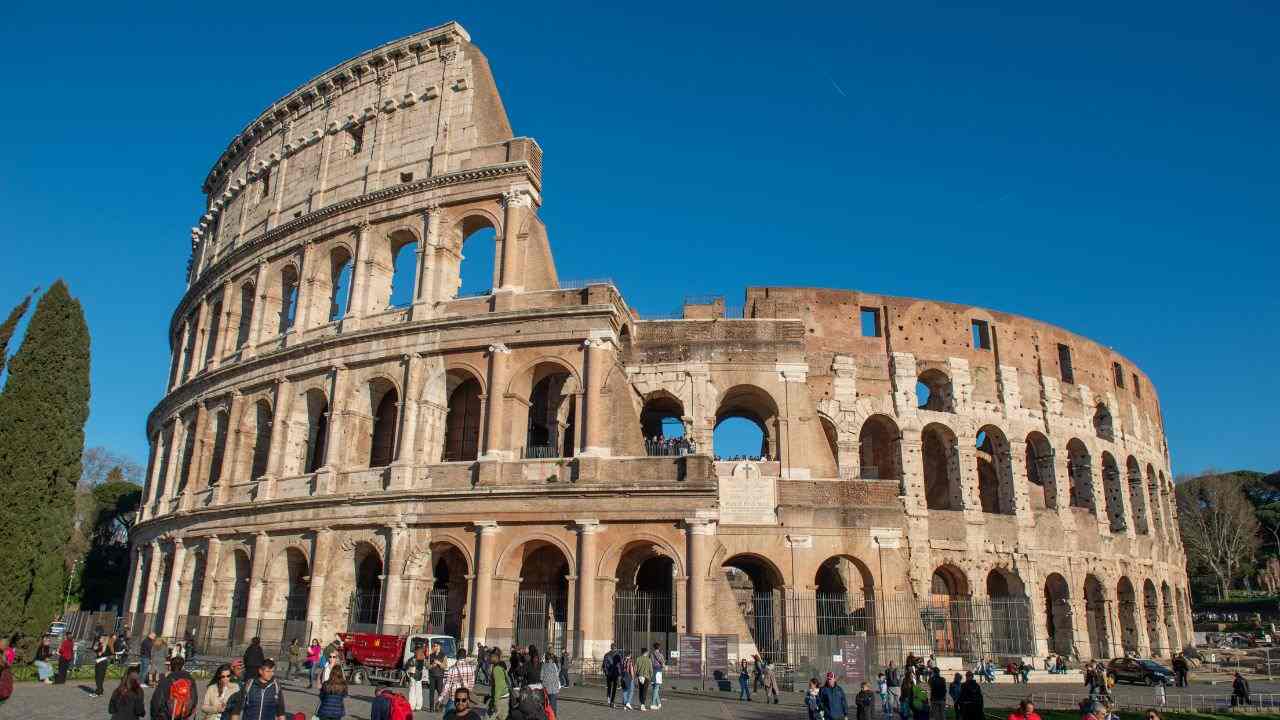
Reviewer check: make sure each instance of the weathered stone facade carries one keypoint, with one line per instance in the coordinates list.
(314, 450)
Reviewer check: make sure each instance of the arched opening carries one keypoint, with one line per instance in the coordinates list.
(1043, 492)
(317, 431)
(1169, 616)
(644, 610)
(340, 269)
(189, 350)
(552, 409)
(247, 292)
(219, 447)
(542, 607)
(941, 457)
(845, 600)
(290, 577)
(1080, 473)
(1158, 506)
(261, 439)
(1102, 426)
(162, 474)
(746, 425)
(1128, 606)
(1095, 611)
(757, 588)
(193, 579)
(404, 257)
(995, 471)
(1151, 606)
(384, 403)
(478, 248)
(366, 605)
(880, 449)
(934, 391)
(1137, 496)
(462, 423)
(162, 598)
(211, 335)
(832, 460)
(1057, 610)
(240, 569)
(1113, 486)
(662, 423)
(188, 455)
(288, 298)
(448, 599)
(1011, 632)
(948, 614)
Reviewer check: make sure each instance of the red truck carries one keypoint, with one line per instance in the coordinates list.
(381, 659)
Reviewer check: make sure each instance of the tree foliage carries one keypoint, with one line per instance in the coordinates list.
(9, 326)
(1219, 527)
(115, 504)
(43, 409)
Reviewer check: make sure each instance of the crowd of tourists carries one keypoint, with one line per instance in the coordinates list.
(662, 445)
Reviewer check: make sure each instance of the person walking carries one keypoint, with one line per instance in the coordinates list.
(893, 683)
(461, 675)
(863, 702)
(127, 701)
(644, 675)
(175, 696)
(295, 658)
(812, 701)
(333, 696)
(313, 661)
(462, 707)
(1026, 711)
(550, 680)
(144, 658)
(1180, 668)
(159, 659)
(744, 681)
(937, 695)
(832, 700)
(499, 686)
(611, 666)
(757, 670)
(1239, 690)
(253, 658)
(436, 664)
(564, 668)
(263, 698)
(659, 666)
(66, 654)
(770, 684)
(101, 658)
(219, 693)
(627, 678)
(953, 690)
(971, 706)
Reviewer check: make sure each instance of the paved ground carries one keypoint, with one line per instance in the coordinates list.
(32, 701)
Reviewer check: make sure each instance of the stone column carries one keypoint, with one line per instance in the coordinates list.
(515, 201)
(302, 316)
(212, 556)
(406, 450)
(320, 550)
(231, 453)
(261, 546)
(175, 588)
(913, 474)
(361, 268)
(423, 287)
(588, 556)
(198, 476)
(392, 588)
(594, 438)
(486, 530)
(333, 461)
(155, 578)
(135, 580)
(494, 442)
(700, 535)
(152, 490)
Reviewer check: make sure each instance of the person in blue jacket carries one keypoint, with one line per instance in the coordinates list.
(831, 699)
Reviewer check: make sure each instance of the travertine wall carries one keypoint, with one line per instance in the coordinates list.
(316, 444)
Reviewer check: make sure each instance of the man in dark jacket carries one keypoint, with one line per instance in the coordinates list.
(970, 702)
(937, 696)
(1239, 691)
(262, 699)
(160, 698)
(832, 700)
(253, 658)
(612, 667)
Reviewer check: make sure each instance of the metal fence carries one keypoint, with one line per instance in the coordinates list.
(541, 620)
(642, 618)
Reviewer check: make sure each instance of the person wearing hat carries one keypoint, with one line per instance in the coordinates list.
(832, 700)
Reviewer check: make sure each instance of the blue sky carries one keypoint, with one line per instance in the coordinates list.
(1111, 167)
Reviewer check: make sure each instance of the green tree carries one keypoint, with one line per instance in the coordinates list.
(106, 564)
(9, 326)
(43, 410)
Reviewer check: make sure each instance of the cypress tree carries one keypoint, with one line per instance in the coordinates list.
(43, 410)
(11, 324)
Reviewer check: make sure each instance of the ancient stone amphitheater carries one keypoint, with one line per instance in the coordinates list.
(346, 442)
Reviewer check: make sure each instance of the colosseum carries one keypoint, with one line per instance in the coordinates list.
(349, 443)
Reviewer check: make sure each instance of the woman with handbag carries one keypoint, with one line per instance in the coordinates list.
(415, 674)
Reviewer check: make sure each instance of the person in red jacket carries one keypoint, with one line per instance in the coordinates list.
(1026, 711)
(66, 655)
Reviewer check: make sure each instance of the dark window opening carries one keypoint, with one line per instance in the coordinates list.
(1064, 363)
(357, 138)
(981, 335)
(1119, 373)
(1137, 385)
(871, 322)
(406, 177)
(266, 185)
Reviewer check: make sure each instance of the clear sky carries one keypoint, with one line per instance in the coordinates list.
(1108, 167)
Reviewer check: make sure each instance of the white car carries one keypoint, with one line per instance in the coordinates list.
(57, 629)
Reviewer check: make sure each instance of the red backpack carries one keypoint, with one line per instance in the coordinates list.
(182, 694)
(400, 708)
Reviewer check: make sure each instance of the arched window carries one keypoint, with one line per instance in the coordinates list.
(211, 337)
(940, 452)
(880, 449)
(1137, 496)
(190, 348)
(340, 268)
(1080, 472)
(219, 447)
(1043, 490)
(261, 439)
(1113, 486)
(317, 431)
(477, 274)
(288, 297)
(404, 255)
(166, 448)
(368, 592)
(462, 424)
(1102, 423)
(746, 424)
(995, 471)
(934, 391)
(246, 315)
(662, 424)
(188, 454)
(551, 417)
(385, 404)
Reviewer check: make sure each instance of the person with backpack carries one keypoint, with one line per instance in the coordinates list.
(175, 695)
(611, 664)
(499, 700)
(530, 703)
(628, 678)
(127, 702)
(333, 695)
(644, 675)
(390, 705)
(262, 698)
(219, 693)
(659, 665)
(253, 658)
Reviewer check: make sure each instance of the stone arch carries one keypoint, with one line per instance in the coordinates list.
(1080, 475)
(934, 391)
(644, 598)
(1113, 486)
(1095, 610)
(1151, 613)
(947, 613)
(395, 268)
(1103, 425)
(660, 408)
(463, 391)
(1043, 492)
(289, 575)
(1127, 602)
(384, 420)
(844, 574)
(473, 226)
(1137, 496)
(234, 575)
(450, 586)
(261, 421)
(1169, 618)
(995, 471)
(368, 570)
(949, 581)
(1156, 492)
(221, 423)
(880, 449)
(940, 454)
(844, 595)
(541, 566)
(162, 592)
(193, 574)
(757, 406)
(610, 563)
(314, 440)
(244, 325)
(1011, 632)
(284, 297)
(509, 561)
(550, 387)
(335, 285)
(831, 458)
(757, 586)
(1058, 621)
